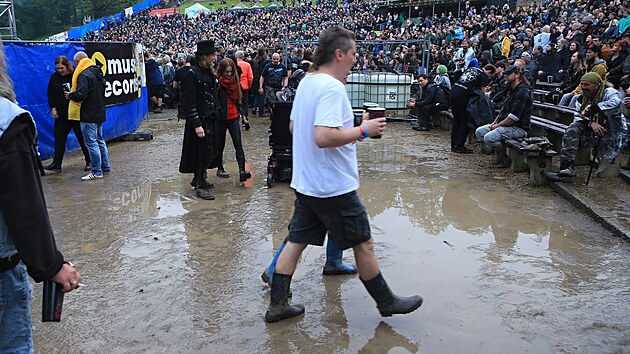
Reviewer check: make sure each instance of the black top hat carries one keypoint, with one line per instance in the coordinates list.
(206, 47)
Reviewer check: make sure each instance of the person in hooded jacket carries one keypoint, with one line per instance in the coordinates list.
(431, 98)
(88, 105)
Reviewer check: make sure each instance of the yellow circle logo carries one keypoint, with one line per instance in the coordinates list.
(99, 59)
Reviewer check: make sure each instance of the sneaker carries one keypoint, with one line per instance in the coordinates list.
(221, 173)
(567, 172)
(88, 167)
(158, 109)
(90, 176)
(53, 168)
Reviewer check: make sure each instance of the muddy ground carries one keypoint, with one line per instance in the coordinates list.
(503, 268)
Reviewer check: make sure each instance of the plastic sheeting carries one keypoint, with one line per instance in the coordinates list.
(96, 25)
(30, 67)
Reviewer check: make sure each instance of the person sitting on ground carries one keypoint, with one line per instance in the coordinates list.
(600, 119)
(572, 79)
(432, 97)
(513, 121)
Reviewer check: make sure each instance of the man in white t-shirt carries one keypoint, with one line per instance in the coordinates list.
(325, 179)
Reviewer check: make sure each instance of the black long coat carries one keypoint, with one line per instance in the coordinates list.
(199, 107)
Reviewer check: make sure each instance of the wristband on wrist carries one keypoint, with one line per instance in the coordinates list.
(364, 132)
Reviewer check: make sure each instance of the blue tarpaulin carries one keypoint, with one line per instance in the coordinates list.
(30, 67)
(96, 25)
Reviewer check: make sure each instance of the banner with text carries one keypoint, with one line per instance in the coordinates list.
(119, 63)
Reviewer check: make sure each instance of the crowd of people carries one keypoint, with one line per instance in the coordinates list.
(490, 33)
(482, 60)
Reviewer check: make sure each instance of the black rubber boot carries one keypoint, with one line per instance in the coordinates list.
(279, 307)
(387, 303)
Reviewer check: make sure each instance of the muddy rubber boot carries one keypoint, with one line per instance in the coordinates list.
(387, 302)
(279, 307)
(334, 262)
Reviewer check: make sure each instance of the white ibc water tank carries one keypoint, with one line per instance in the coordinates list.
(389, 90)
(355, 88)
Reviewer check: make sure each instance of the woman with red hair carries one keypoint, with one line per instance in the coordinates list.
(230, 97)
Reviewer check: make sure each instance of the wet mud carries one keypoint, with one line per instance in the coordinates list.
(503, 268)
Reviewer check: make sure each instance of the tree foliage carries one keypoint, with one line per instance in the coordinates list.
(37, 19)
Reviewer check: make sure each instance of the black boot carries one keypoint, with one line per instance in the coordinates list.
(279, 307)
(244, 175)
(387, 303)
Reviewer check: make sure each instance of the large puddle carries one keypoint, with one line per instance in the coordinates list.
(501, 269)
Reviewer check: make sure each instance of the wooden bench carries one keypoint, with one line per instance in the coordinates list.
(554, 131)
(560, 114)
(536, 162)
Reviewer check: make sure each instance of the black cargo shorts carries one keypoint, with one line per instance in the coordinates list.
(343, 217)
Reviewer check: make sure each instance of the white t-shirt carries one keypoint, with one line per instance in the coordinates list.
(321, 100)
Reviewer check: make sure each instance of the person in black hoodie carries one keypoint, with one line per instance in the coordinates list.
(60, 81)
(90, 92)
(27, 243)
(431, 98)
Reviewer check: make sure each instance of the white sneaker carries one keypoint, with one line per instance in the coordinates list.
(90, 176)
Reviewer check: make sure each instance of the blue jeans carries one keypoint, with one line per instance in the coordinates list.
(494, 138)
(568, 100)
(259, 103)
(93, 137)
(16, 328)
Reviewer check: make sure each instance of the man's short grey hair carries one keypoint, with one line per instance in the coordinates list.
(239, 54)
(79, 56)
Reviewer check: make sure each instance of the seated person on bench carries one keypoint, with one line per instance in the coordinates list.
(601, 124)
(513, 121)
(432, 97)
